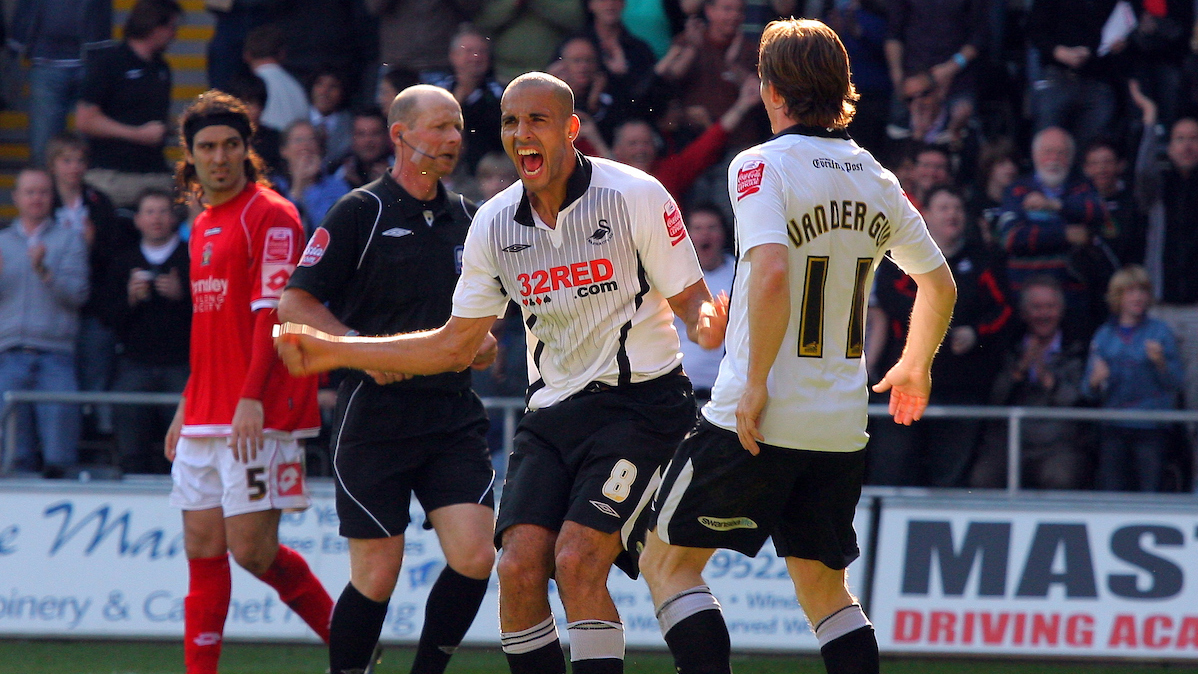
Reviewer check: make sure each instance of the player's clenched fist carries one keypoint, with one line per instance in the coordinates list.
(713, 322)
(303, 349)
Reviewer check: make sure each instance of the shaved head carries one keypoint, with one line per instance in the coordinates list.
(410, 102)
(562, 94)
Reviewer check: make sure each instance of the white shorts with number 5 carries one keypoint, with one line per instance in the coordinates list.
(205, 476)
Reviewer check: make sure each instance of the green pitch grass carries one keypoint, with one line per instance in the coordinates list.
(75, 657)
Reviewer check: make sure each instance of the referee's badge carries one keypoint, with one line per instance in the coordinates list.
(428, 217)
(457, 257)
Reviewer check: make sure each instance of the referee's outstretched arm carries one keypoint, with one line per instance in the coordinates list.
(449, 348)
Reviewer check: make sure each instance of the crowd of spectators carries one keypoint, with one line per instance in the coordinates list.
(1050, 145)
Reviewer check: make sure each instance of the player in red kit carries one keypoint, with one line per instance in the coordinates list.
(235, 440)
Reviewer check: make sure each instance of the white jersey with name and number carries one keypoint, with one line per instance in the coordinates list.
(838, 212)
(592, 289)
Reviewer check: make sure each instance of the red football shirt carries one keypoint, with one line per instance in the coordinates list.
(242, 255)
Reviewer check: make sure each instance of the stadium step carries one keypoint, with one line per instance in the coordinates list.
(187, 57)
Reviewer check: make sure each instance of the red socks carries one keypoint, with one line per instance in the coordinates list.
(299, 588)
(204, 611)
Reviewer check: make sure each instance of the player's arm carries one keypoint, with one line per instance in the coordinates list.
(705, 318)
(300, 306)
(910, 380)
(450, 348)
(769, 315)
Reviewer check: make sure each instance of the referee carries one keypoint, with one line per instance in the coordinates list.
(597, 256)
(386, 260)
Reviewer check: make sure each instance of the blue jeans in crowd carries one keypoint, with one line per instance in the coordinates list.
(141, 429)
(1083, 106)
(96, 351)
(1131, 459)
(53, 92)
(57, 424)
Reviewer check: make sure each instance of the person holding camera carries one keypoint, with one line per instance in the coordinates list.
(151, 309)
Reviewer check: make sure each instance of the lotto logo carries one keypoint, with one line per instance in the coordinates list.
(316, 248)
(278, 245)
(674, 227)
(207, 639)
(277, 280)
(748, 178)
(291, 479)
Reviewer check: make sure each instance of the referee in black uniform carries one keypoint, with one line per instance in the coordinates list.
(385, 261)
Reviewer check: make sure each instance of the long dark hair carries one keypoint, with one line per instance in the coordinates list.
(215, 103)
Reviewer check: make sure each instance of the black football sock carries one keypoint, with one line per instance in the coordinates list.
(694, 629)
(596, 647)
(847, 642)
(535, 650)
(448, 613)
(357, 623)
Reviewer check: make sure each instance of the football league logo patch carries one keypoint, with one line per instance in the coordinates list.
(206, 255)
(316, 248)
(278, 245)
(674, 227)
(748, 178)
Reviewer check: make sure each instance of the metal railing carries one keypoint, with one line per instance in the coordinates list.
(513, 406)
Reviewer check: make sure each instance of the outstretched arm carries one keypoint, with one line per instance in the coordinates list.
(450, 348)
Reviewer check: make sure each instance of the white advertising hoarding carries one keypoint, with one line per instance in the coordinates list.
(1038, 577)
(103, 562)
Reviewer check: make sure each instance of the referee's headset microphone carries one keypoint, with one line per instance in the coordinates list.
(414, 148)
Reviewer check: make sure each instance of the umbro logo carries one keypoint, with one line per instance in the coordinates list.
(517, 247)
(397, 232)
(605, 509)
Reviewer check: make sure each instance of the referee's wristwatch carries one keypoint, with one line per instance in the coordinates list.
(352, 333)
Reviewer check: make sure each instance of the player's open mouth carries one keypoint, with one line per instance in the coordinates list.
(531, 162)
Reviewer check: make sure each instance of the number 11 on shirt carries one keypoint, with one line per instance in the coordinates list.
(811, 323)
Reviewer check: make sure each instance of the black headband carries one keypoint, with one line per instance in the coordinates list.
(237, 121)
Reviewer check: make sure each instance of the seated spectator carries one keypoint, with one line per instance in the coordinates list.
(1048, 218)
(709, 64)
(705, 224)
(525, 34)
(1123, 232)
(939, 452)
(43, 283)
(476, 91)
(932, 166)
(393, 81)
(88, 212)
(636, 145)
(1044, 368)
(251, 90)
(124, 105)
(369, 157)
(148, 289)
(301, 167)
(577, 65)
(1168, 193)
(495, 173)
(285, 97)
(930, 48)
(329, 116)
(996, 171)
(627, 59)
(1133, 364)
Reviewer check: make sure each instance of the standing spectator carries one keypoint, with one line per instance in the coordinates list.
(1123, 230)
(709, 64)
(124, 106)
(938, 452)
(1168, 192)
(43, 283)
(627, 59)
(415, 35)
(55, 35)
(1048, 217)
(1133, 365)
(329, 116)
(234, 19)
(82, 209)
(526, 32)
(476, 90)
(705, 224)
(1159, 44)
(636, 145)
(285, 97)
(930, 47)
(861, 26)
(1074, 89)
(336, 35)
(1044, 368)
(369, 158)
(150, 295)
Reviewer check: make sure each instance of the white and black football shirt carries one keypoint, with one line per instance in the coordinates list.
(593, 289)
(838, 212)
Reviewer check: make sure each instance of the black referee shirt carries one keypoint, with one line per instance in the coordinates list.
(386, 262)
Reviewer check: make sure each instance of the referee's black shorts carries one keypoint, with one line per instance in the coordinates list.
(715, 494)
(389, 443)
(595, 459)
